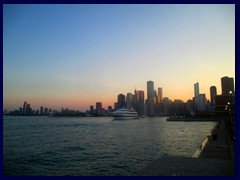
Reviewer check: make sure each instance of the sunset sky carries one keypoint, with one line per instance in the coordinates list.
(73, 56)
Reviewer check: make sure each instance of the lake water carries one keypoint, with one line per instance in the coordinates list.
(83, 146)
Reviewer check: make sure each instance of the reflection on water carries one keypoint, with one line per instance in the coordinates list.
(94, 145)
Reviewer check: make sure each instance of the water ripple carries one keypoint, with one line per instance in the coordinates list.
(93, 146)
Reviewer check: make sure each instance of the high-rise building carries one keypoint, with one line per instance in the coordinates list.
(150, 90)
(25, 107)
(160, 94)
(196, 96)
(135, 100)
(140, 103)
(196, 89)
(227, 85)
(121, 101)
(150, 97)
(213, 93)
(202, 102)
(166, 105)
(156, 102)
(129, 100)
(99, 108)
(91, 109)
(155, 93)
(27, 110)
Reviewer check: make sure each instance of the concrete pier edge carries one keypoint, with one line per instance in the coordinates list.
(204, 143)
(214, 157)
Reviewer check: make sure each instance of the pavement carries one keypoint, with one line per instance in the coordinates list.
(214, 157)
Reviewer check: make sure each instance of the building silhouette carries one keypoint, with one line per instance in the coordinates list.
(27, 110)
(213, 93)
(227, 85)
(202, 102)
(150, 98)
(166, 106)
(141, 102)
(138, 104)
(121, 101)
(196, 89)
(129, 100)
(189, 108)
(196, 97)
(135, 99)
(99, 108)
(178, 107)
(199, 99)
(160, 94)
(225, 103)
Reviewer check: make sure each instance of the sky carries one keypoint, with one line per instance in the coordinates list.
(73, 56)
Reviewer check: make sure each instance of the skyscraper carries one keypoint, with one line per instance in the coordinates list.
(121, 101)
(150, 97)
(196, 89)
(202, 102)
(129, 100)
(26, 108)
(135, 100)
(150, 90)
(139, 102)
(166, 105)
(196, 96)
(227, 85)
(99, 108)
(160, 94)
(213, 93)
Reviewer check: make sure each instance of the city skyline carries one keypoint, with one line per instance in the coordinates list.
(155, 96)
(76, 55)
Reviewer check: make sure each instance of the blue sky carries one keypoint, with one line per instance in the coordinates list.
(75, 55)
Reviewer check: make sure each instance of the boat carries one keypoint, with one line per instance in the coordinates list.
(125, 114)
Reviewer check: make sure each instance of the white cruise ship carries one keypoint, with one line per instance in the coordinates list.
(125, 114)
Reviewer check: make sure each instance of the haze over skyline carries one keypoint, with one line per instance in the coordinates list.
(76, 55)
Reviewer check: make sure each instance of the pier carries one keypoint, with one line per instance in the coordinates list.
(182, 119)
(214, 157)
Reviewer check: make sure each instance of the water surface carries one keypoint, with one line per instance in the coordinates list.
(78, 146)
